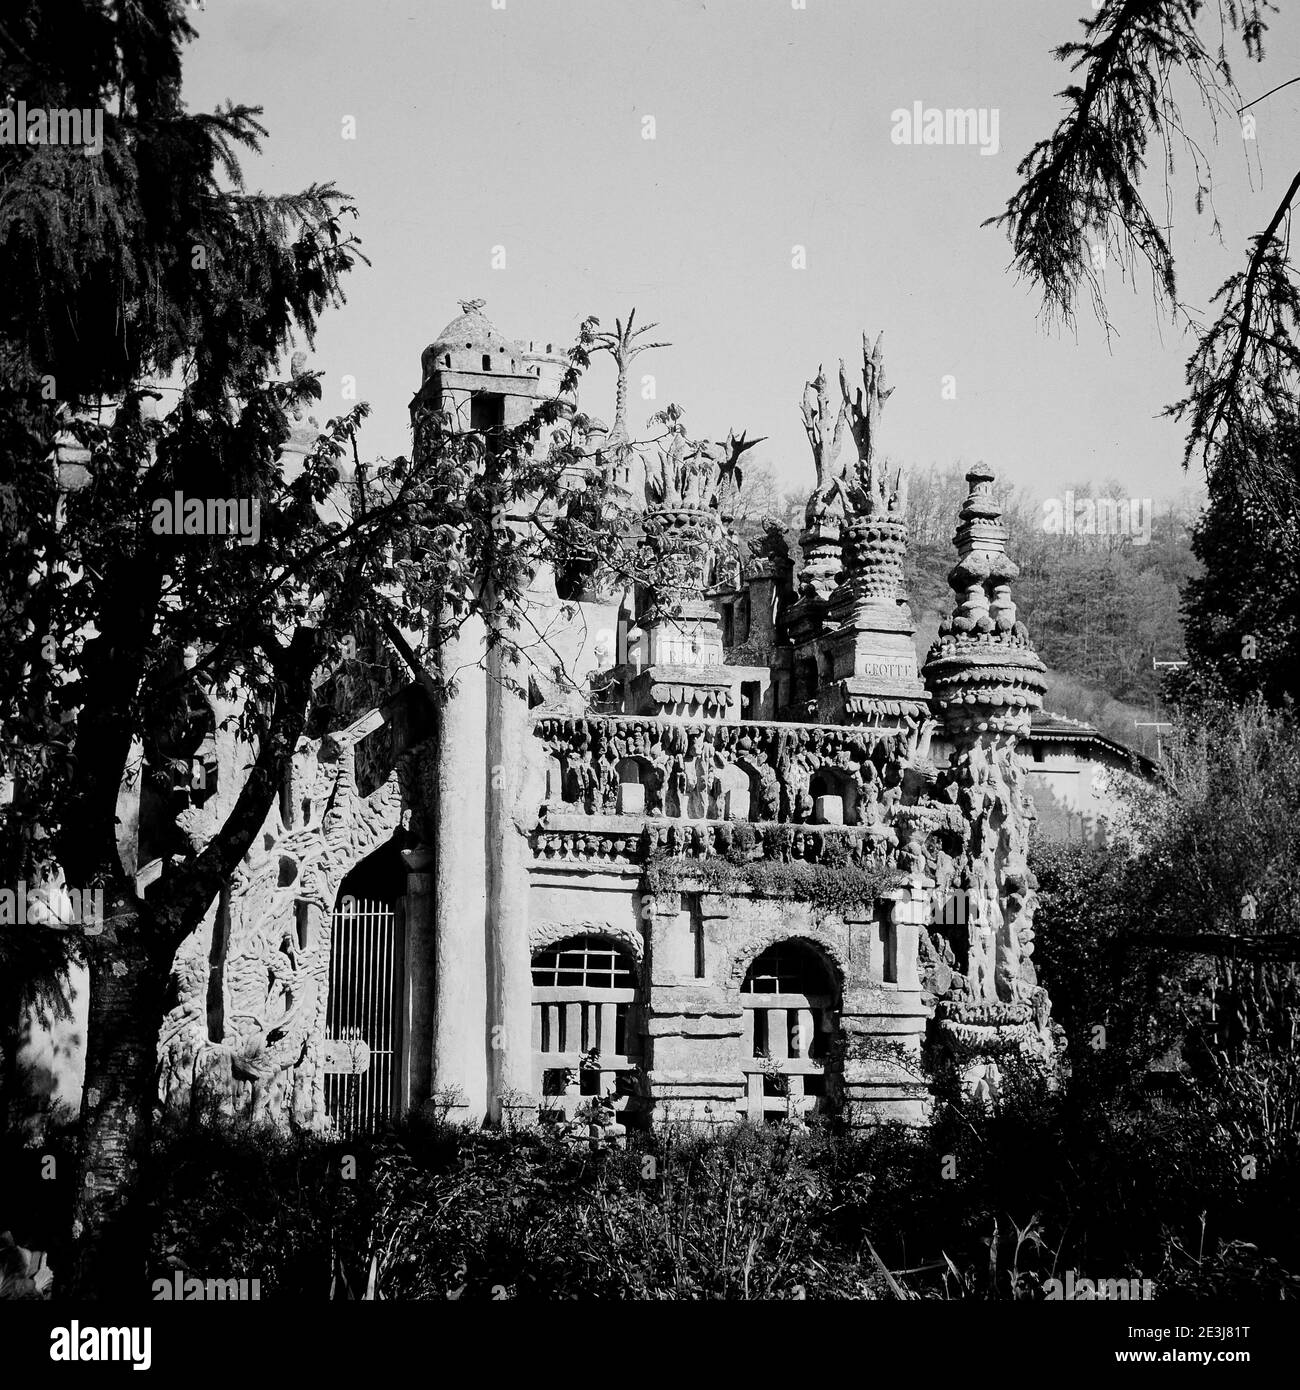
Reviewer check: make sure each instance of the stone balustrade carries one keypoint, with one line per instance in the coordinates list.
(626, 840)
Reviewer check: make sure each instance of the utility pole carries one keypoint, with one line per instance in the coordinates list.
(1152, 724)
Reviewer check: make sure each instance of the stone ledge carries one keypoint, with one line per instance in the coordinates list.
(901, 1003)
(694, 1026)
(728, 1084)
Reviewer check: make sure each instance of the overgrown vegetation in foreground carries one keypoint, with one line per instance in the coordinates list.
(1036, 1187)
(985, 1204)
(1196, 1188)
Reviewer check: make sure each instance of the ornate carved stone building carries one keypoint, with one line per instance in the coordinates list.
(740, 883)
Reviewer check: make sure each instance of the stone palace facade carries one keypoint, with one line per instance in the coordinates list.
(770, 866)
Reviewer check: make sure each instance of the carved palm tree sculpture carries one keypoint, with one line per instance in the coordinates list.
(863, 414)
(623, 346)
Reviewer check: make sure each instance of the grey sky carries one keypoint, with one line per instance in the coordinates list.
(522, 128)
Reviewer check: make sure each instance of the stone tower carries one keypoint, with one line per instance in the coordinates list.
(987, 680)
(468, 890)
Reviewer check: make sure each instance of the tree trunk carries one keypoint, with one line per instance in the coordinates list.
(620, 401)
(126, 1005)
(12, 1033)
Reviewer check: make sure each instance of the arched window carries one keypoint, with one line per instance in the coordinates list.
(586, 1024)
(790, 1005)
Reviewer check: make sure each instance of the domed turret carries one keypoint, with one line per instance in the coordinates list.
(480, 379)
(472, 343)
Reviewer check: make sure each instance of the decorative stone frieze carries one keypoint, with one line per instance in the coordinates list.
(686, 768)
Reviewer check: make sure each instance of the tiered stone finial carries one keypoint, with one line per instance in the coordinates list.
(875, 535)
(683, 534)
(982, 669)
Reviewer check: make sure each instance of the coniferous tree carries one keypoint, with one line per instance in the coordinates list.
(149, 265)
(1242, 616)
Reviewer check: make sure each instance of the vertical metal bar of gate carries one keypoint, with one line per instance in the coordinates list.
(367, 957)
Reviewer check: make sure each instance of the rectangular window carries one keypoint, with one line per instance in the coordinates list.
(486, 412)
(751, 699)
(691, 919)
(885, 936)
(760, 1033)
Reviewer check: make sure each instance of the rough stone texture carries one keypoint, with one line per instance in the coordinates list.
(261, 1051)
(523, 828)
(988, 681)
(544, 934)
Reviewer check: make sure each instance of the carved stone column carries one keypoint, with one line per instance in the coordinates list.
(509, 1038)
(460, 874)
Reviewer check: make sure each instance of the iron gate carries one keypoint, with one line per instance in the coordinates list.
(363, 1020)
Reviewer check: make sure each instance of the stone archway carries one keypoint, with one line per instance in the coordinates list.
(791, 1002)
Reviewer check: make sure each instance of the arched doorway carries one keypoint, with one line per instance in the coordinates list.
(587, 1025)
(363, 1017)
(791, 1013)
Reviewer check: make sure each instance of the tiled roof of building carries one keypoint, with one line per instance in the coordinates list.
(1061, 728)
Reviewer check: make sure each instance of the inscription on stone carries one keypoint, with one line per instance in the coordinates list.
(895, 670)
